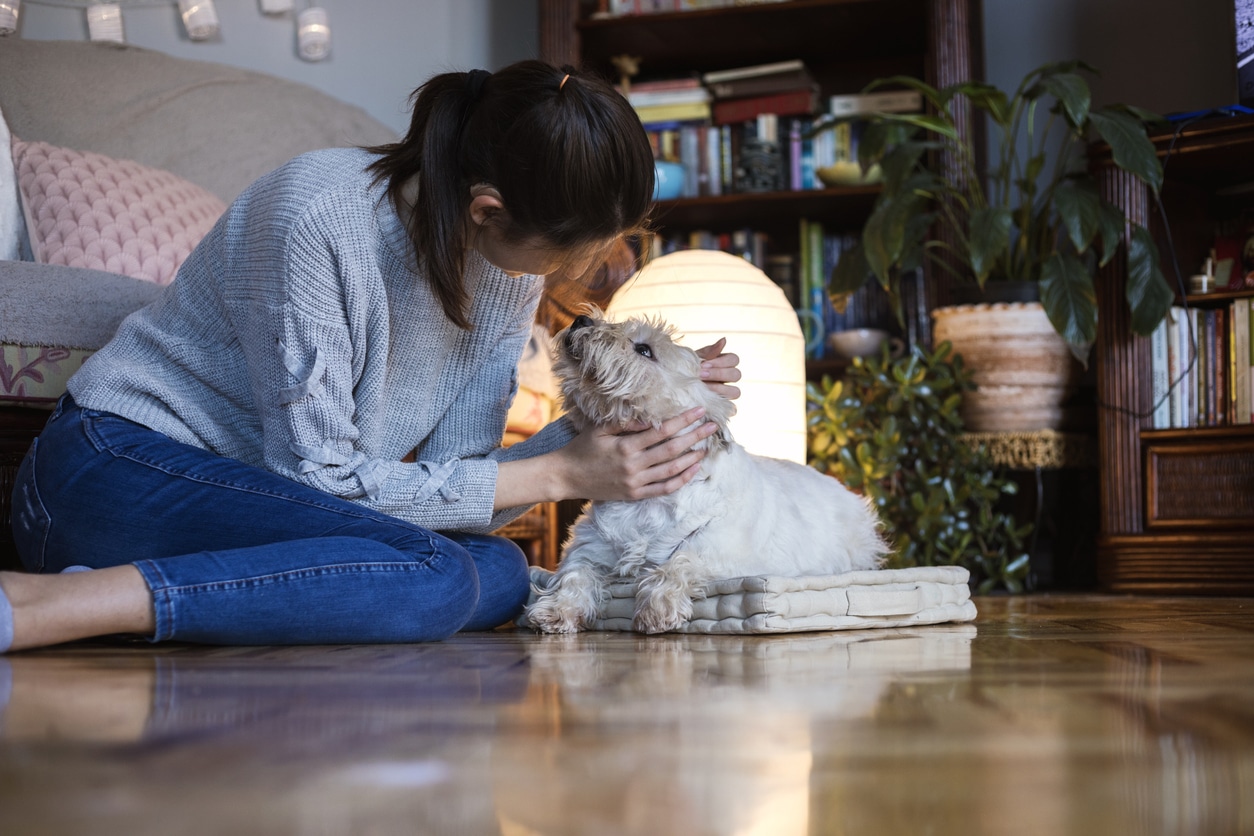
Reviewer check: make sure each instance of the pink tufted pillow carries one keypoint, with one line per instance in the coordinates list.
(89, 210)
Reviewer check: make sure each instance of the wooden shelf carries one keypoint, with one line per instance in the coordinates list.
(820, 32)
(841, 206)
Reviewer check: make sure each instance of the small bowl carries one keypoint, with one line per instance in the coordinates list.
(849, 174)
(861, 342)
(668, 180)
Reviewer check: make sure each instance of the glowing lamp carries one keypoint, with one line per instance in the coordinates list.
(10, 10)
(707, 294)
(313, 34)
(104, 23)
(200, 19)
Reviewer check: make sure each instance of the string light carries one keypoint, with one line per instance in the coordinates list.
(200, 18)
(313, 34)
(104, 23)
(9, 10)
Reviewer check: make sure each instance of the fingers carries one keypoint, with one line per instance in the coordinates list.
(709, 352)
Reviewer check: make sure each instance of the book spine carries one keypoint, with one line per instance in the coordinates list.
(818, 291)
(714, 160)
(1174, 368)
(1238, 352)
(792, 103)
(1159, 377)
(856, 104)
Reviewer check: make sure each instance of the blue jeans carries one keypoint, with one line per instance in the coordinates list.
(235, 554)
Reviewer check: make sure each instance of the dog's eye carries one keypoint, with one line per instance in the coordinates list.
(644, 350)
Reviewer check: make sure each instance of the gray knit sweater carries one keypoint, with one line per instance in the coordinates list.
(300, 337)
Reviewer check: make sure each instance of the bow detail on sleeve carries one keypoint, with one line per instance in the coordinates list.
(310, 378)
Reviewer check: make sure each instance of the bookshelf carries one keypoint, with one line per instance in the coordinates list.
(1177, 505)
(845, 44)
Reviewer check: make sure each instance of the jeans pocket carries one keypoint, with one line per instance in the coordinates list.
(30, 520)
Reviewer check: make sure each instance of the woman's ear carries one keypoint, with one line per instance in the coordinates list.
(486, 205)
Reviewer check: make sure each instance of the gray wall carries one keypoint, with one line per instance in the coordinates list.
(1162, 55)
(380, 49)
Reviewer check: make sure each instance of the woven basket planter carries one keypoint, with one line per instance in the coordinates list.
(1026, 376)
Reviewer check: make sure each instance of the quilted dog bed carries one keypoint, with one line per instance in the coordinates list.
(769, 604)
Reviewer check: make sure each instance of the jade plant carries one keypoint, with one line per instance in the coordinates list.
(1033, 213)
(891, 430)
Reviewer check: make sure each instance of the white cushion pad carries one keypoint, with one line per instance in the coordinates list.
(771, 604)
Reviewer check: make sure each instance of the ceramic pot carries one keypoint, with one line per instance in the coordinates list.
(1026, 376)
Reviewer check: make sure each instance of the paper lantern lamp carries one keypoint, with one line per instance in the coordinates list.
(707, 294)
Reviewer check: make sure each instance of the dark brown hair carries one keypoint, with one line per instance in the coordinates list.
(570, 160)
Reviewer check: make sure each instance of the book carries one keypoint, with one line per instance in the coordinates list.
(1160, 382)
(1239, 360)
(651, 98)
(1175, 368)
(889, 101)
(763, 80)
(665, 114)
(791, 103)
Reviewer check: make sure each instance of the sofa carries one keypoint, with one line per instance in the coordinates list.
(122, 159)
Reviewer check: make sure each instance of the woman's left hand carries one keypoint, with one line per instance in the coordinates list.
(719, 369)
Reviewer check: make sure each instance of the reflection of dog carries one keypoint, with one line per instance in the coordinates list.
(742, 515)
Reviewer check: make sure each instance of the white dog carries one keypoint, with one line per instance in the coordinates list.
(742, 515)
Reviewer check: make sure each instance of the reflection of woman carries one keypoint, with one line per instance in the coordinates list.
(265, 454)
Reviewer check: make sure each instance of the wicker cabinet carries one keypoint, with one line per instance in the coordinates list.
(1177, 506)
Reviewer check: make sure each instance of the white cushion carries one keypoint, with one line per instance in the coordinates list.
(771, 604)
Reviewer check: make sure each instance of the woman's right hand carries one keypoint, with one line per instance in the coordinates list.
(637, 462)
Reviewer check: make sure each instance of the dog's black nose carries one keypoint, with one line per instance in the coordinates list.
(580, 321)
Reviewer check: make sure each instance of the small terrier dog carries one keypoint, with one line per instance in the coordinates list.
(743, 514)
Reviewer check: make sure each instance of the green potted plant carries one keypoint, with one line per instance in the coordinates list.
(1033, 214)
(892, 430)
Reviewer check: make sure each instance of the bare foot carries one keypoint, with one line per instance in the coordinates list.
(51, 609)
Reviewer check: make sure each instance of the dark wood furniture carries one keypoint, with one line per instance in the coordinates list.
(845, 43)
(1177, 506)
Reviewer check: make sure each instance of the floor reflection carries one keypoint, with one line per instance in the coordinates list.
(1049, 715)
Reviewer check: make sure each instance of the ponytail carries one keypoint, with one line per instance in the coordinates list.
(565, 151)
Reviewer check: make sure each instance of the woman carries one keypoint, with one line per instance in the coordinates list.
(265, 454)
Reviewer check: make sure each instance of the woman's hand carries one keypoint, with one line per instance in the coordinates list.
(719, 369)
(639, 462)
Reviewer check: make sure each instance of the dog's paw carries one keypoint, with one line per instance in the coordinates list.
(548, 616)
(661, 613)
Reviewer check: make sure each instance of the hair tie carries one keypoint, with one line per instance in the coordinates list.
(562, 83)
(474, 82)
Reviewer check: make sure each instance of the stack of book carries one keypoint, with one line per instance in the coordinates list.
(742, 94)
(1202, 367)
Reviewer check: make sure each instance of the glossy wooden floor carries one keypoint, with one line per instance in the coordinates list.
(1051, 715)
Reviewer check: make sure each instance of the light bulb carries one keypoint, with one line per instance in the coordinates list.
(200, 18)
(104, 23)
(313, 34)
(9, 10)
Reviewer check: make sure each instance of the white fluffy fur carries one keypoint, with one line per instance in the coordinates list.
(742, 515)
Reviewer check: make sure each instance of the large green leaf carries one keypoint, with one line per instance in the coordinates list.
(1069, 299)
(1129, 145)
(937, 99)
(935, 124)
(884, 234)
(1079, 208)
(1148, 295)
(1072, 92)
(986, 97)
(850, 272)
(989, 239)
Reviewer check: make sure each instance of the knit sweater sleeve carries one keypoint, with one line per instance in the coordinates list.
(310, 337)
